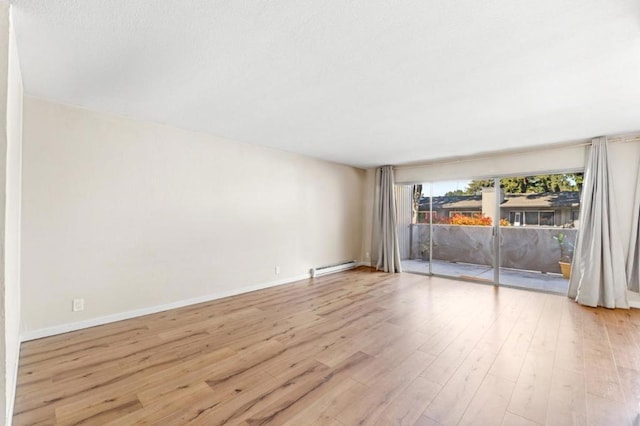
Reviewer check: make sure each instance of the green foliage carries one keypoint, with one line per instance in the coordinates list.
(476, 185)
(416, 193)
(566, 247)
(576, 179)
(527, 184)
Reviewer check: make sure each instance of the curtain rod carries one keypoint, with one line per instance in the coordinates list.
(635, 138)
(613, 139)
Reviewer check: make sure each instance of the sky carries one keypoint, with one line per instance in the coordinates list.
(441, 188)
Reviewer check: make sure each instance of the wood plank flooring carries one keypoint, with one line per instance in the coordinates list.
(359, 347)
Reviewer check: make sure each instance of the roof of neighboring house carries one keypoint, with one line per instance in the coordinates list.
(543, 200)
(547, 199)
(452, 202)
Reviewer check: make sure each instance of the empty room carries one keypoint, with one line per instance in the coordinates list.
(311, 213)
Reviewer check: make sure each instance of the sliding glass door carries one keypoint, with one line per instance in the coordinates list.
(518, 235)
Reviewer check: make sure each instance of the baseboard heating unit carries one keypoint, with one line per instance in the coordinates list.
(330, 269)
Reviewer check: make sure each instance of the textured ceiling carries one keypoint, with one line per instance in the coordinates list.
(358, 82)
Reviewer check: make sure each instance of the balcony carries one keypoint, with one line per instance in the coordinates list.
(529, 255)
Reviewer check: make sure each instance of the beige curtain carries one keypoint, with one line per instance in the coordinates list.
(385, 252)
(598, 275)
(633, 259)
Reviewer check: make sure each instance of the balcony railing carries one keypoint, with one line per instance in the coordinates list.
(527, 248)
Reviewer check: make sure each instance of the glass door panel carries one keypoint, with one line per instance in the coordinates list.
(417, 245)
(538, 228)
(462, 243)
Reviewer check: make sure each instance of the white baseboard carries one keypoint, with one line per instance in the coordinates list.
(65, 328)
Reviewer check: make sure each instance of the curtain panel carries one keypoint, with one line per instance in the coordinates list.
(598, 275)
(633, 258)
(385, 252)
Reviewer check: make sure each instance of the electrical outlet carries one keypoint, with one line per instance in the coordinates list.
(366, 255)
(277, 270)
(78, 305)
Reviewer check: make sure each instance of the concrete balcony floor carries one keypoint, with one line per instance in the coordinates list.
(553, 283)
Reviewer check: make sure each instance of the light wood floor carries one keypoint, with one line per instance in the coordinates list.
(359, 347)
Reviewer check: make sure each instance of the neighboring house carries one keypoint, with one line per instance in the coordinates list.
(546, 209)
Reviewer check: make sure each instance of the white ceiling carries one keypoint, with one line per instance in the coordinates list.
(358, 82)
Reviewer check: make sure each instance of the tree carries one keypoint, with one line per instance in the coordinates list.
(576, 179)
(416, 195)
(530, 184)
(476, 186)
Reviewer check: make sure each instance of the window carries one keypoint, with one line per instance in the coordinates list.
(515, 218)
(547, 218)
(532, 218)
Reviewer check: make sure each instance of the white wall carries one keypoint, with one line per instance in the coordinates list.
(11, 141)
(130, 215)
